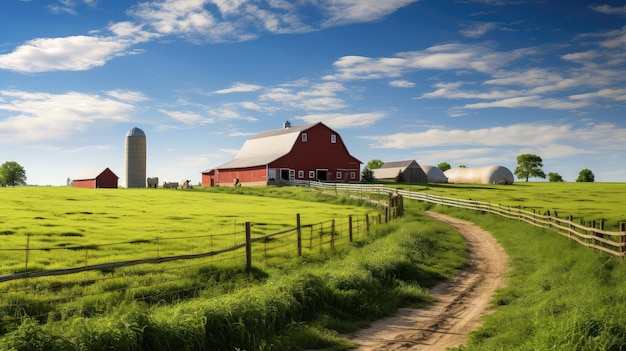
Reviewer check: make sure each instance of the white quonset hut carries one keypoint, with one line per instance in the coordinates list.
(135, 159)
(434, 174)
(480, 175)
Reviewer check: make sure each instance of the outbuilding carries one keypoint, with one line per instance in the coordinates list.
(480, 175)
(434, 174)
(96, 178)
(294, 153)
(409, 170)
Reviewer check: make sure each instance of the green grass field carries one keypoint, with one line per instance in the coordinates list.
(65, 227)
(293, 303)
(583, 201)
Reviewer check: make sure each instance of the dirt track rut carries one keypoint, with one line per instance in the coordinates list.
(462, 301)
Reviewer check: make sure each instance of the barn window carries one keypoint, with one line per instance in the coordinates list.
(338, 175)
(300, 174)
(352, 175)
(311, 174)
(292, 174)
(304, 137)
(333, 138)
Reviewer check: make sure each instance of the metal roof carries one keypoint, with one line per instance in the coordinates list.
(398, 164)
(265, 147)
(135, 132)
(88, 174)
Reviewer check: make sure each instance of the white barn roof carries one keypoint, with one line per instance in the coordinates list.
(88, 174)
(267, 146)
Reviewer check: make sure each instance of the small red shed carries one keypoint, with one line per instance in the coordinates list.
(305, 152)
(96, 178)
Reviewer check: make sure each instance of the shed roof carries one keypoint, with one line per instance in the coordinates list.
(391, 169)
(88, 174)
(398, 164)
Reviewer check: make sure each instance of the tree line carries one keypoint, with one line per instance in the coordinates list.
(528, 166)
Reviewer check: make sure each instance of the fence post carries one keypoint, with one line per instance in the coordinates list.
(248, 248)
(367, 224)
(27, 252)
(622, 228)
(350, 227)
(299, 234)
(332, 234)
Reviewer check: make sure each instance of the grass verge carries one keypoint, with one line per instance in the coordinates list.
(559, 296)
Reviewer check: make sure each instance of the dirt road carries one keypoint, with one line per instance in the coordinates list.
(462, 301)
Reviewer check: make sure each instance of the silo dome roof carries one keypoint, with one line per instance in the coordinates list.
(135, 132)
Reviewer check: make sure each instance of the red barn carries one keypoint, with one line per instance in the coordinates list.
(305, 152)
(96, 178)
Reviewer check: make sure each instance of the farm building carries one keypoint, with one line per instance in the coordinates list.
(434, 174)
(480, 175)
(411, 172)
(96, 178)
(293, 153)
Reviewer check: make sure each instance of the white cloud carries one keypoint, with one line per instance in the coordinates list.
(609, 10)
(401, 84)
(127, 95)
(564, 138)
(188, 118)
(338, 120)
(28, 117)
(350, 11)
(477, 30)
(73, 53)
(317, 97)
(239, 88)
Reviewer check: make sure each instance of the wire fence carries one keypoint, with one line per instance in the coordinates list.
(161, 276)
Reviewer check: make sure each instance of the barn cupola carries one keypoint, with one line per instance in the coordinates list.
(286, 125)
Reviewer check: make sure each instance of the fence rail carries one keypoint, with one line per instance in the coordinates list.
(597, 238)
(329, 234)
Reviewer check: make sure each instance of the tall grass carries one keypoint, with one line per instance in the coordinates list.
(295, 307)
(559, 295)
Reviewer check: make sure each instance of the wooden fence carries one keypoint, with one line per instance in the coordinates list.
(327, 234)
(591, 236)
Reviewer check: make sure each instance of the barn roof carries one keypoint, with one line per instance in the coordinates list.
(88, 174)
(391, 169)
(267, 146)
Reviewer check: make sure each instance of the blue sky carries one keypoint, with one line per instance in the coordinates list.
(465, 82)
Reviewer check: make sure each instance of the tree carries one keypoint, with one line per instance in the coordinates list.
(586, 175)
(400, 177)
(375, 164)
(444, 166)
(462, 166)
(12, 174)
(529, 166)
(555, 177)
(367, 175)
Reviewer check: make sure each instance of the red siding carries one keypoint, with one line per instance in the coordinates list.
(87, 183)
(227, 176)
(318, 152)
(106, 179)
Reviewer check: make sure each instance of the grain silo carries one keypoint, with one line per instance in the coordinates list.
(135, 158)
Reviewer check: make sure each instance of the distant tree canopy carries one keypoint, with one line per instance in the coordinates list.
(586, 175)
(367, 175)
(554, 177)
(444, 166)
(529, 166)
(12, 174)
(375, 164)
(462, 166)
